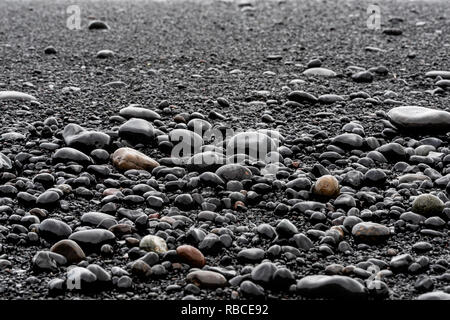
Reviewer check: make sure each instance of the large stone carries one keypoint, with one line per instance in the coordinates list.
(427, 205)
(207, 279)
(68, 154)
(370, 232)
(5, 162)
(206, 161)
(69, 249)
(153, 243)
(331, 287)
(320, 72)
(92, 239)
(16, 95)
(191, 256)
(348, 141)
(79, 138)
(127, 159)
(256, 145)
(326, 186)
(98, 219)
(438, 73)
(186, 143)
(134, 111)
(137, 131)
(419, 119)
(53, 229)
(234, 172)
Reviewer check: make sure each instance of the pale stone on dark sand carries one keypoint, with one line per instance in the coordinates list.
(420, 118)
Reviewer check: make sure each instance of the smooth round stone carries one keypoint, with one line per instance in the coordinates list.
(5, 162)
(285, 229)
(47, 261)
(363, 76)
(54, 229)
(98, 219)
(46, 179)
(438, 73)
(435, 295)
(251, 255)
(97, 25)
(184, 201)
(80, 278)
(264, 272)
(102, 275)
(139, 112)
(392, 151)
(250, 289)
(427, 205)
(301, 183)
(401, 262)
(153, 243)
(266, 230)
(70, 250)
(375, 177)
(330, 98)
(331, 287)
(302, 97)
(68, 154)
(115, 84)
(411, 177)
(50, 50)
(141, 269)
(205, 161)
(370, 232)
(412, 217)
(348, 141)
(93, 238)
(12, 136)
(422, 246)
(319, 72)
(191, 255)
(326, 186)
(127, 159)
(254, 144)
(48, 198)
(104, 54)
(199, 126)
(234, 172)
(420, 118)
(79, 138)
(16, 95)
(186, 142)
(207, 279)
(137, 131)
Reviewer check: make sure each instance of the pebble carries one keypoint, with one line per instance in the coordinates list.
(79, 138)
(16, 95)
(137, 131)
(70, 250)
(427, 205)
(207, 279)
(53, 229)
(153, 243)
(191, 256)
(127, 159)
(134, 111)
(92, 239)
(419, 118)
(331, 287)
(319, 72)
(326, 186)
(370, 232)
